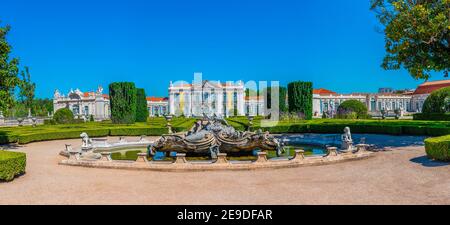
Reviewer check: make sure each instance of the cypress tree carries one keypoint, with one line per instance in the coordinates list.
(141, 105)
(123, 102)
(300, 98)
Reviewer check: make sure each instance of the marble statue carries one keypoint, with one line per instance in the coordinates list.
(85, 140)
(346, 138)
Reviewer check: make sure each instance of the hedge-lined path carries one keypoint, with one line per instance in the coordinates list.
(401, 176)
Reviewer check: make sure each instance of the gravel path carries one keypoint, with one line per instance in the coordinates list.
(401, 176)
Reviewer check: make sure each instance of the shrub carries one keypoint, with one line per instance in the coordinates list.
(91, 118)
(437, 101)
(49, 122)
(432, 116)
(438, 148)
(11, 164)
(350, 107)
(63, 116)
(123, 102)
(300, 98)
(141, 106)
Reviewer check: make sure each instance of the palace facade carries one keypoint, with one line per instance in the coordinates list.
(387, 99)
(210, 97)
(228, 99)
(95, 103)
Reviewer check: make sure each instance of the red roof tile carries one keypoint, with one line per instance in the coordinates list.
(322, 91)
(428, 87)
(157, 99)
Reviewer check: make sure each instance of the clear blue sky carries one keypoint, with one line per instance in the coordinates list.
(70, 44)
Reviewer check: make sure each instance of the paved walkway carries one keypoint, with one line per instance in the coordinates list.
(401, 176)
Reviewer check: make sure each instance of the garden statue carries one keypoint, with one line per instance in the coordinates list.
(346, 138)
(86, 141)
(169, 125)
(213, 135)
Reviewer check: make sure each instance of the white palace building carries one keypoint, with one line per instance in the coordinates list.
(228, 99)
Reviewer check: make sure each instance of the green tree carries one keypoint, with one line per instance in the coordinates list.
(300, 98)
(123, 102)
(437, 101)
(417, 35)
(63, 116)
(9, 71)
(27, 88)
(352, 109)
(282, 91)
(141, 106)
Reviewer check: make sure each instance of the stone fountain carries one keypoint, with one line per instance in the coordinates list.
(212, 136)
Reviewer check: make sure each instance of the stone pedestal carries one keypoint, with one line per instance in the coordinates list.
(142, 158)
(180, 158)
(106, 157)
(86, 149)
(361, 148)
(331, 152)
(73, 155)
(299, 155)
(221, 158)
(262, 157)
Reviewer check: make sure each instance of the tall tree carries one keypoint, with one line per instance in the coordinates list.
(417, 35)
(141, 105)
(300, 98)
(123, 102)
(9, 70)
(27, 88)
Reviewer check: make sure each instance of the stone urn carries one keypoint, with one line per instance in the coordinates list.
(169, 125)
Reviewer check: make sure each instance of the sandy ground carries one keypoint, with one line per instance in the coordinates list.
(401, 176)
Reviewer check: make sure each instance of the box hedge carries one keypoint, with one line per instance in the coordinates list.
(137, 131)
(438, 148)
(432, 116)
(57, 135)
(12, 164)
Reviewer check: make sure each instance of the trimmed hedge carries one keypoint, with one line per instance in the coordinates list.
(58, 135)
(141, 106)
(123, 102)
(12, 164)
(438, 148)
(432, 116)
(300, 98)
(137, 131)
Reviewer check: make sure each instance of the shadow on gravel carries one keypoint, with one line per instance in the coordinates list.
(10, 147)
(425, 161)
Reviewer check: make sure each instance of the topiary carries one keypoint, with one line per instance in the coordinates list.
(349, 108)
(141, 105)
(438, 101)
(63, 116)
(300, 98)
(123, 102)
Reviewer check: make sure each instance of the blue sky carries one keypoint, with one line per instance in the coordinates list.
(82, 44)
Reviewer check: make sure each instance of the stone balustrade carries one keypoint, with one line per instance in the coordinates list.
(361, 148)
(261, 157)
(299, 155)
(182, 164)
(106, 157)
(180, 158)
(221, 158)
(142, 158)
